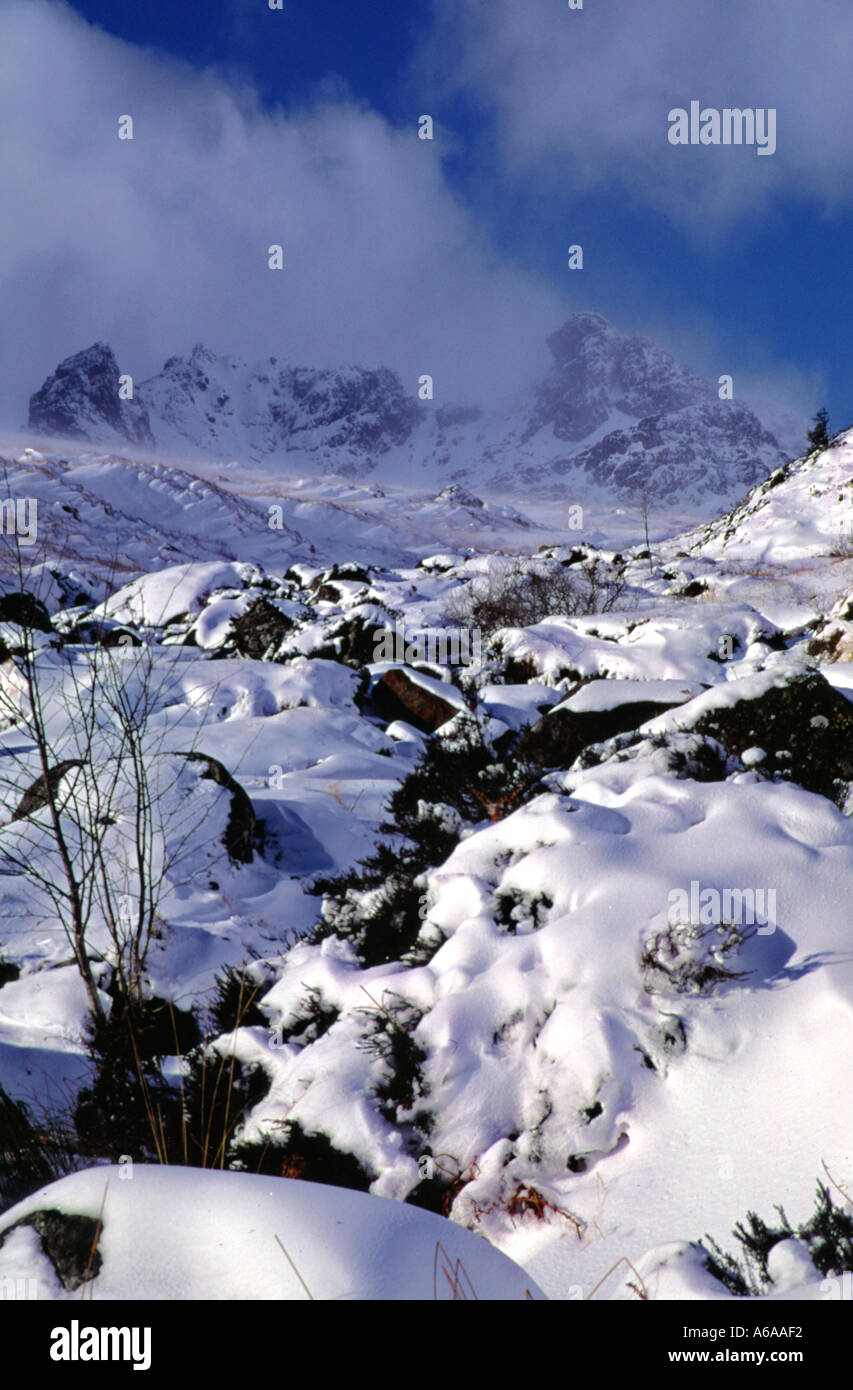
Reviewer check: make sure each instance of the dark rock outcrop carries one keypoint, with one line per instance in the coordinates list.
(44, 789)
(81, 400)
(71, 1243)
(559, 736)
(241, 830)
(352, 641)
(25, 610)
(805, 727)
(260, 630)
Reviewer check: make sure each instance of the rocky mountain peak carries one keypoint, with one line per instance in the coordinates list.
(81, 400)
(599, 371)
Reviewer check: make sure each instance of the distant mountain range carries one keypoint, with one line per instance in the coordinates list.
(614, 414)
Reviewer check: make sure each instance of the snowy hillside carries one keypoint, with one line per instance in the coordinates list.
(615, 413)
(508, 881)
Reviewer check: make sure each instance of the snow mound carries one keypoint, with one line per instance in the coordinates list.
(189, 1233)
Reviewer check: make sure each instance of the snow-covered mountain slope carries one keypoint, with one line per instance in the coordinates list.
(105, 516)
(101, 519)
(615, 413)
(803, 510)
(225, 407)
(550, 937)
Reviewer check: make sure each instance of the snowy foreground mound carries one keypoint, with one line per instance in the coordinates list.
(188, 1233)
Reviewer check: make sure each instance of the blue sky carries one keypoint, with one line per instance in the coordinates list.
(550, 130)
(285, 54)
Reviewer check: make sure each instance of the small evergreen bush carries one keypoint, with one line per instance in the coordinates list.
(828, 1235)
(380, 907)
(235, 1002)
(299, 1153)
(818, 435)
(33, 1151)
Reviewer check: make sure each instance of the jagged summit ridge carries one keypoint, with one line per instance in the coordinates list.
(615, 413)
(218, 404)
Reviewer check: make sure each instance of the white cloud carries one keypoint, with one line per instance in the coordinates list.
(154, 244)
(581, 97)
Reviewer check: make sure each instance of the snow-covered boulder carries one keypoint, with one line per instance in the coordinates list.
(190, 1233)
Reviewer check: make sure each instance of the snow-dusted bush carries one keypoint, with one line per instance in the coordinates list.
(686, 958)
(392, 1025)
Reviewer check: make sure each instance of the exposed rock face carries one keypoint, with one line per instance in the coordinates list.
(353, 573)
(219, 403)
(797, 729)
(44, 789)
(70, 1243)
(677, 435)
(81, 400)
(397, 696)
(722, 441)
(25, 611)
(260, 629)
(456, 493)
(353, 642)
(598, 370)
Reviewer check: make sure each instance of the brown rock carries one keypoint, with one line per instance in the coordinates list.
(397, 696)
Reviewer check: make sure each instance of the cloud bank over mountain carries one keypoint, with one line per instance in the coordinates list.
(389, 258)
(164, 238)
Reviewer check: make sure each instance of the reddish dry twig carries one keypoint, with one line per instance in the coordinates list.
(95, 1240)
(454, 1274)
(527, 1201)
(623, 1259)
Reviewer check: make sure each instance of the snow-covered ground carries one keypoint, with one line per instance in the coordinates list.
(550, 1056)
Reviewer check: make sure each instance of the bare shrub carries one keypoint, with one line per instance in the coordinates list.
(88, 824)
(843, 547)
(519, 593)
